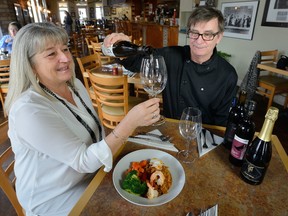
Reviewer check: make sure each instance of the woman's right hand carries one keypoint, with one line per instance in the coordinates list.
(114, 37)
(144, 114)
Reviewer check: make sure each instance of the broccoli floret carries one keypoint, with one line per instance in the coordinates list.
(133, 184)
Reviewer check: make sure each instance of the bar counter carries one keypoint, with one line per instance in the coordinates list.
(210, 180)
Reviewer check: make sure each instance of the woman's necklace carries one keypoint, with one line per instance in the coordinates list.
(91, 132)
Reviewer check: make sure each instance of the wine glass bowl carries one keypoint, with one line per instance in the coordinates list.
(153, 75)
(190, 126)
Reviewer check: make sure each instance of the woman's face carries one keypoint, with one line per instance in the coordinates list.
(53, 66)
(12, 30)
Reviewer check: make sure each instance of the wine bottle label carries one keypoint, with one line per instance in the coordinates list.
(107, 51)
(239, 147)
(252, 172)
(230, 132)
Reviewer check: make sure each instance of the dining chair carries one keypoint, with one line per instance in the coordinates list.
(272, 84)
(4, 80)
(98, 49)
(88, 40)
(112, 96)
(77, 45)
(7, 177)
(89, 62)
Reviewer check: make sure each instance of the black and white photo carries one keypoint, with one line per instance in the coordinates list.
(275, 13)
(240, 19)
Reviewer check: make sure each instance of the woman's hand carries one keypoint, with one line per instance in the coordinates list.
(144, 114)
(112, 38)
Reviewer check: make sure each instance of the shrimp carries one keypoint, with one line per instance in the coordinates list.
(156, 163)
(157, 177)
(151, 193)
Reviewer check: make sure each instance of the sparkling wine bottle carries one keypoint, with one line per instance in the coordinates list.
(236, 113)
(125, 49)
(243, 136)
(259, 151)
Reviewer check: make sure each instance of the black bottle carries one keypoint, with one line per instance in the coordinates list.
(236, 113)
(125, 49)
(259, 151)
(243, 136)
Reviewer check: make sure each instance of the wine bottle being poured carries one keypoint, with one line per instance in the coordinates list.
(125, 49)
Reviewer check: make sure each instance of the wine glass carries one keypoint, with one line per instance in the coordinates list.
(153, 74)
(190, 126)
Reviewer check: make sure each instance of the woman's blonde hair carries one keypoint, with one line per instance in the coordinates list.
(30, 40)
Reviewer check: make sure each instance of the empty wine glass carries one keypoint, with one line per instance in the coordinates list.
(190, 126)
(153, 74)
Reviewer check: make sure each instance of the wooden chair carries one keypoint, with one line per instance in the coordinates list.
(97, 49)
(4, 80)
(112, 96)
(271, 84)
(89, 62)
(77, 45)
(88, 40)
(7, 177)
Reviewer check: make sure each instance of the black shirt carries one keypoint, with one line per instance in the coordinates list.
(209, 86)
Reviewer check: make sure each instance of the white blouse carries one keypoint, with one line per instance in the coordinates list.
(54, 153)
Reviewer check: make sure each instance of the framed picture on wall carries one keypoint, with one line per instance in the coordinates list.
(240, 18)
(275, 13)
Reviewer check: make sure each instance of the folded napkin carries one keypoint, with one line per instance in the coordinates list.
(213, 211)
(153, 141)
(207, 141)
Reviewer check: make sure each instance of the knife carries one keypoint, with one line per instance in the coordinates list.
(152, 140)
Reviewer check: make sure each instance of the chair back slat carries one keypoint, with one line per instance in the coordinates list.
(111, 96)
(7, 183)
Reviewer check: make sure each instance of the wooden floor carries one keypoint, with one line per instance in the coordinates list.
(280, 129)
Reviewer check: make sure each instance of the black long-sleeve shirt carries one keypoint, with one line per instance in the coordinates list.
(209, 86)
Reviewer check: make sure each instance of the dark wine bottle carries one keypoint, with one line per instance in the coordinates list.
(236, 113)
(243, 136)
(259, 151)
(125, 49)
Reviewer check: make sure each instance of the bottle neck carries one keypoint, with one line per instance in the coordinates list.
(266, 131)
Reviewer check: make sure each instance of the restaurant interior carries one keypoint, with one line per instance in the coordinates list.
(93, 20)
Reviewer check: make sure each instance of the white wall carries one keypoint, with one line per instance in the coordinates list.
(242, 51)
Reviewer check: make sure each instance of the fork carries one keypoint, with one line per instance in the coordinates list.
(161, 137)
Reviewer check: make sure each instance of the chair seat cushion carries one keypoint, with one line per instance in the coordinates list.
(274, 81)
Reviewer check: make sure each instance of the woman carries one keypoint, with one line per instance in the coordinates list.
(54, 150)
(7, 40)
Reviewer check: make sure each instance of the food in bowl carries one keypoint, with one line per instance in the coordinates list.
(147, 178)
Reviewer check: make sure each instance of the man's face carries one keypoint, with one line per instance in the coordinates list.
(200, 49)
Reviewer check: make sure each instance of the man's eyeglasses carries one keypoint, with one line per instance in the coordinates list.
(205, 36)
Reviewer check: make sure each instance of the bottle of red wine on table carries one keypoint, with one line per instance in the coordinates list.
(125, 49)
(243, 136)
(259, 151)
(235, 115)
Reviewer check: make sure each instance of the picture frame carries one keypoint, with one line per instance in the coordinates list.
(240, 19)
(275, 13)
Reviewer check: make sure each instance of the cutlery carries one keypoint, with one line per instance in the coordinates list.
(161, 137)
(212, 135)
(151, 140)
(203, 138)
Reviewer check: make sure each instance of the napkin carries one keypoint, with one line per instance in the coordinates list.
(153, 141)
(213, 211)
(207, 141)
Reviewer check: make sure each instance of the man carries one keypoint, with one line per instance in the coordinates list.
(197, 75)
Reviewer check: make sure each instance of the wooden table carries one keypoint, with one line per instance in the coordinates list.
(210, 180)
(272, 68)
